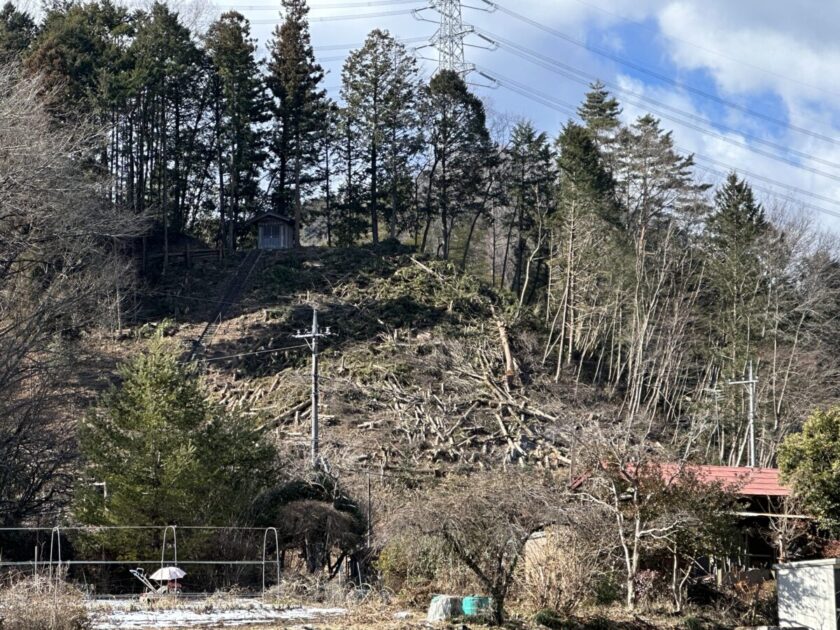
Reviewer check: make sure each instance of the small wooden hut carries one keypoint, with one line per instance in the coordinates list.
(275, 231)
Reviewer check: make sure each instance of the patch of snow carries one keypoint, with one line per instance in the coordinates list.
(126, 616)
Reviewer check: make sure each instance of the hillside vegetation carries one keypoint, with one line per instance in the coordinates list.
(414, 377)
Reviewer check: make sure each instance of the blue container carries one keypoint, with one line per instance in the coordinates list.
(476, 606)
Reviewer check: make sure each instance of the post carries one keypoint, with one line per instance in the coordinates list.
(369, 512)
(311, 339)
(314, 411)
(751, 414)
(750, 382)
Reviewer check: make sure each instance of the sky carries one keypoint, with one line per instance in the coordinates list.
(749, 85)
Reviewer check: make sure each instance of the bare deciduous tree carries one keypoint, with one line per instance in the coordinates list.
(58, 266)
(485, 521)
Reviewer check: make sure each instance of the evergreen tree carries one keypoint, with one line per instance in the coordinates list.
(240, 108)
(17, 32)
(808, 460)
(461, 149)
(78, 50)
(350, 220)
(299, 105)
(737, 234)
(601, 114)
(170, 84)
(329, 149)
(581, 245)
(738, 220)
(166, 455)
(655, 183)
(529, 181)
(381, 85)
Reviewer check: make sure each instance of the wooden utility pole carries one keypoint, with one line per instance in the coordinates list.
(750, 382)
(311, 339)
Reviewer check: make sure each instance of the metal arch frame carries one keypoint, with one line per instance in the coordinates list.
(55, 536)
(276, 554)
(174, 543)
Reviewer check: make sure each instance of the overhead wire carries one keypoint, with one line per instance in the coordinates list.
(254, 353)
(659, 75)
(349, 16)
(330, 5)
(402, 40)
(702, 47)
(565, 108)
(585, 78)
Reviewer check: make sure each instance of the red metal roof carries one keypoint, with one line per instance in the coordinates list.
(748, 482)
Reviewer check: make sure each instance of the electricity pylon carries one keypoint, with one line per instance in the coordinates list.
(449, 39)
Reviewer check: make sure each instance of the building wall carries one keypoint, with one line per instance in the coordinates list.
(275, 235)
(807, 596)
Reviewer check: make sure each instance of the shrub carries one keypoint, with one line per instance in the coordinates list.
(607, 590)
(559, 572)
(693, 623)
(37, 603)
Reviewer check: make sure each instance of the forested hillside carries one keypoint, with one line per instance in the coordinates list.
(501, 296)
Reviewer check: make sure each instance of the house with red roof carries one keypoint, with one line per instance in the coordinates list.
(764, 504)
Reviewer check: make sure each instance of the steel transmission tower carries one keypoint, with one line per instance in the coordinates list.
(449, 39)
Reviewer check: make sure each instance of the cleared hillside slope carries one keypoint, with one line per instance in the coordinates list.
(415, 378)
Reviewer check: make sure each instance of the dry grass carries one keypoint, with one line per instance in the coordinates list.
(41, 604)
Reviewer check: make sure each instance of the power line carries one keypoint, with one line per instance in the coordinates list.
(402, 40)
(209, 300)
(557, 105)
(658, 75)
(350, 16)
(255, 352)
(585, 78)
(316, 6)
(693, 44)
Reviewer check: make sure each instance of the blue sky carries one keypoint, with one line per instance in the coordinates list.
(776, 59)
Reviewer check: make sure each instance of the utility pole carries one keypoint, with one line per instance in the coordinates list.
(311, 339)
(750, 383)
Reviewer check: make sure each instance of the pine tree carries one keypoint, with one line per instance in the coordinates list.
(240, 107)
(600, 111)
(601, 114)
(381, 86)
(655, 183)
(329, 150)
(737, 234)
(169, 78)
(737, 219)
(529, 181)
(586, 212)
(166, 455)
(78, 49)
(17, 32)
(299, 104)
(461, 149)
(350, 221)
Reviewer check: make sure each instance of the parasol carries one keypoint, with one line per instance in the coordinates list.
(167, 573)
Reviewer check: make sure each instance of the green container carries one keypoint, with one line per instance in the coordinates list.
(476, 606)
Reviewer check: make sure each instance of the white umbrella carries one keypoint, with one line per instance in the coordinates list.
(165, 574)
